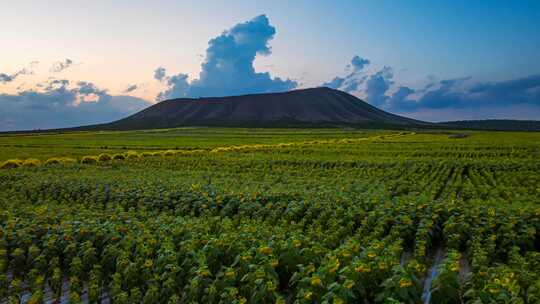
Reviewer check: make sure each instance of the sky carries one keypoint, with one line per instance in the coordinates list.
(66, 63)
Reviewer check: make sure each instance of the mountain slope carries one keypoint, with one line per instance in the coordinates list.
(308, 107)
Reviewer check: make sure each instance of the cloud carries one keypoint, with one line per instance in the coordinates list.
(359, 63)
(62, 103)
(401, 96)
(5, 78)
(131, 88)
(228, 65)
(87, 88)
(178, 86)
(377, 85)
(462, 93)
(159, 74)
(445, 99)
(354, 79)
(59, 66)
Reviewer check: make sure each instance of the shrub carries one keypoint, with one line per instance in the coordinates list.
(89, 160)
(147, 154)
(11, 164)
(119, 156)
(169, 153)
(59, 161)
(52, 161)
(104, 157)
(67, 161)
(132, 155)
(31, 162)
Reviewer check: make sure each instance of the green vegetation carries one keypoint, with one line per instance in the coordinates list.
(104, 157)
(79, 144)
(11, 164)
(89, 160)
(272, 216)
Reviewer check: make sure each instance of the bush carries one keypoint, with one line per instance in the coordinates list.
(53, 161)
(147, 154)
(67, 161)
(104, 157)
(59, 161)
(169, 153)
(119, 156)
(89, 160)
(31, 162)
(11, 164)
(132, 155)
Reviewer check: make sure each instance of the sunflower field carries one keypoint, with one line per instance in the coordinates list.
(368, 217)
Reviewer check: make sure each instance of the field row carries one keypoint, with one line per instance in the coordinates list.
(326, 221)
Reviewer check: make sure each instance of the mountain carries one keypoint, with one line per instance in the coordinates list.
(321, 107)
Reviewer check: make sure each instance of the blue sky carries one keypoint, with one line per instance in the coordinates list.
(447, 59)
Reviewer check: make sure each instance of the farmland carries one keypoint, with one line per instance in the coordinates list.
(270, 216)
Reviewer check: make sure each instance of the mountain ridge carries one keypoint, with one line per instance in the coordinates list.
(306, 107)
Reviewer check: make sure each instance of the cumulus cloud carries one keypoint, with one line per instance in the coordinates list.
(59, 66)
(159, 74)
(5, 78)
(228, 65)
(358, 63)
(446, 99)
(463, 93)
(177, 86)
(377, 85)
(61, 103)
(458, 98)
(354, 79)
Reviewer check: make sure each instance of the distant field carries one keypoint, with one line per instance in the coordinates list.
(273, 216)
(77, 144)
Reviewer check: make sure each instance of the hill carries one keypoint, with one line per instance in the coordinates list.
(321, 107)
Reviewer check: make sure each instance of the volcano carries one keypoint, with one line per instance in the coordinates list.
(315, 107)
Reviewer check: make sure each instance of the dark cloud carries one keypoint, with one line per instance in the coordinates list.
(358, 63)
(63, 104)
(87, 88)
(464, 93)
(228, 65)
(353, 80)
(131, 88)
(59, 66)
(159, 74)
(445, 99)
(5, 78)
